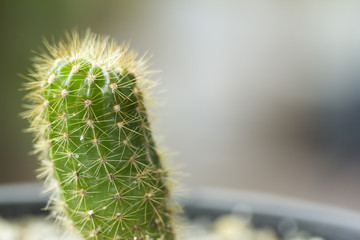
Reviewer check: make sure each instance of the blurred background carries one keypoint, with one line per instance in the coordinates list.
(260, 95)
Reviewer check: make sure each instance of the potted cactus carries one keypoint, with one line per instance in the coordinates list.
(87, 108)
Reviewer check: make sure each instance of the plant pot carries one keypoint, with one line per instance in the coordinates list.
(283, 215)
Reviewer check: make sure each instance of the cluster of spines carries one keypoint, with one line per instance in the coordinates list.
(93, 138)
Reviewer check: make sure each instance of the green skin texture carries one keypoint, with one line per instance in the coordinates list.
(110, 174)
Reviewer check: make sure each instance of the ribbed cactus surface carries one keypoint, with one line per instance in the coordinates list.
(94, 139)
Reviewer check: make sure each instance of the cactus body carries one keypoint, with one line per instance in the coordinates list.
(95, 142)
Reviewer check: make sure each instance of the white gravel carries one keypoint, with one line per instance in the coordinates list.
(227, 227)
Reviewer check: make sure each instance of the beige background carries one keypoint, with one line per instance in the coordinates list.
(246, 84)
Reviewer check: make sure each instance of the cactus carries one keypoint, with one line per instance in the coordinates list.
(87, 109)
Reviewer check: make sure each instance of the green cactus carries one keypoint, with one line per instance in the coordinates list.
(93, 138)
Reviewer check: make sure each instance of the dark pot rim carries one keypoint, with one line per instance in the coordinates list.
(331, 223)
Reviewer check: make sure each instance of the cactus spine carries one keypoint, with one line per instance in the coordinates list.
(94, 140)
